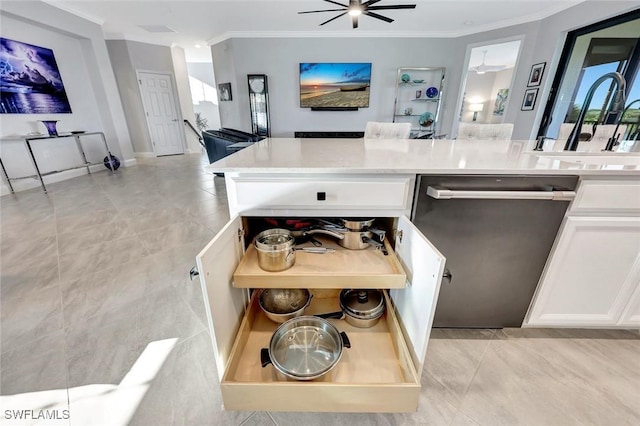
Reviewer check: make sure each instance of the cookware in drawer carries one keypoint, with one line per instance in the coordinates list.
(337, 268)
(375, 374)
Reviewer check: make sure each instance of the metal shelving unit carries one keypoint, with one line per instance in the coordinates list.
(415, 96)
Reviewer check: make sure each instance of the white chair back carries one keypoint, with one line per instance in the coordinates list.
(376, 130)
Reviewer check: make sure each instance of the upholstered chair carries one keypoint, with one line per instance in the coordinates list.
(376, 130)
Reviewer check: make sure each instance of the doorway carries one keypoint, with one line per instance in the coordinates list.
(161, 111)
(486, 86)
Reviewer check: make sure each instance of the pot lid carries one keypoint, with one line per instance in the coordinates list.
(361, 303)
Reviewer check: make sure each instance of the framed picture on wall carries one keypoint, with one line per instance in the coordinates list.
(529, 100)
(224, 92)
(535, 77)
(30, 81)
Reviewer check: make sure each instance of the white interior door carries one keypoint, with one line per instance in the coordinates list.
(161, 110)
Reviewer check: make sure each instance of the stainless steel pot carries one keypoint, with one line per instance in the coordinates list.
(360, 308)
(356, 224)
(282, 304)
(275, 249)
(305, 348)
(354, 234)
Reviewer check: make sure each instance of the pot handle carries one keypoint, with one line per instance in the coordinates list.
(376, 244)
(265, 359)
(379, 232)
(345, 340)
(325, 232)
(336, 315)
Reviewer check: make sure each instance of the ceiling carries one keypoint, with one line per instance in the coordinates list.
(207, 22)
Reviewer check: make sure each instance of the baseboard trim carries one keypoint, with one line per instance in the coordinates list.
(144, 154)
(130, 162)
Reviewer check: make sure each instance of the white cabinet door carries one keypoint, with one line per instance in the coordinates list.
(224, 304)
(631, 315)
(591, 276)
(416, 303)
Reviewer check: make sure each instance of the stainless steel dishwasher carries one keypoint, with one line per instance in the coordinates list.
(496, 233)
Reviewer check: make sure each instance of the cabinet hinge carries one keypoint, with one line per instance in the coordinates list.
(240, 234)
(399, 236)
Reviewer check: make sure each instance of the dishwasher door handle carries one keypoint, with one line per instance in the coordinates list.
(447, 194)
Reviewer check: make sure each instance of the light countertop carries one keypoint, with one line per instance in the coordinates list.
(420, 156)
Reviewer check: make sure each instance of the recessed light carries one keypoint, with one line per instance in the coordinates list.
(198, 46)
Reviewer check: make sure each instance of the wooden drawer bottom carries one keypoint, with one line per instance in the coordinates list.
(375, 375)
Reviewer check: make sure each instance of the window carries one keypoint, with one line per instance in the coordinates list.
(589, 53)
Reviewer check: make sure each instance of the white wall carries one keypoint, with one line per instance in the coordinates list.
(84, 65)
(279, 59)
(184, 94)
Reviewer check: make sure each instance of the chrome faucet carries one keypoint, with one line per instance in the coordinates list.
(617, 105)
(613, 140)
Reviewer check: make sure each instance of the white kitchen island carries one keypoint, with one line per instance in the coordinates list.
(377, 178)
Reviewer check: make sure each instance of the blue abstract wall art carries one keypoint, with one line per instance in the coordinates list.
(30, 82)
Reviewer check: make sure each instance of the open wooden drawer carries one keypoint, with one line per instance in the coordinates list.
(379, 373)
(368, 268)
(375, 374)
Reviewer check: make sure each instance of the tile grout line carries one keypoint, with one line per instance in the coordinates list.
(64, 334)
(475, 373)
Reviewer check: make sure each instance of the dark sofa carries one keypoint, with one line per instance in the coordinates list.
(217, 141)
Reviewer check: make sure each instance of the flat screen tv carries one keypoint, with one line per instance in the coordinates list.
(335, 86)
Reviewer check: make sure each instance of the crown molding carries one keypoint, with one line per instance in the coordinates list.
(73, 11)
(330, 34)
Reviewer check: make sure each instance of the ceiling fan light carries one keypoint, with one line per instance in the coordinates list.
(355, 11)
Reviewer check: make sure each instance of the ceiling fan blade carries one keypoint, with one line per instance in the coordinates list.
(324, 10)
(339, 4)
(398, 6)
(335, 17)
(354, 21)
(375, 15)
(369, 3)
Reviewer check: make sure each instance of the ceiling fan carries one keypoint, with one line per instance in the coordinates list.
(356, 8)
(483, 68)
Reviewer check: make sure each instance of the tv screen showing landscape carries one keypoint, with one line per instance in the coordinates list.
(334, 85)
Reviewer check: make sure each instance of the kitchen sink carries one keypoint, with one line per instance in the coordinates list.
(598, 158)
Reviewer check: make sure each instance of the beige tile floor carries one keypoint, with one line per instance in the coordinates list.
(99, 317)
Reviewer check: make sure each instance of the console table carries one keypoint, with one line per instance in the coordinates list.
(30, 138)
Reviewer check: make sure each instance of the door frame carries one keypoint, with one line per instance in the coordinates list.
(176, 102)
(465, 70)
(565, 56)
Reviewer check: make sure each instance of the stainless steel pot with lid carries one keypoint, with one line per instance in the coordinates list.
(362, 308)
(305, 348)
(275, 249)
